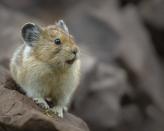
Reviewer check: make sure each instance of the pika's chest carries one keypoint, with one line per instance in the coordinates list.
(59, 83)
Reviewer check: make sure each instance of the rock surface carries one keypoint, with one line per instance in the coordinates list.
(20, 113)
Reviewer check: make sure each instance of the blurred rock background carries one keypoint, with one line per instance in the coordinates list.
(122, 52)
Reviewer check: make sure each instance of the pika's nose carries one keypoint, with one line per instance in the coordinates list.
(75, 50)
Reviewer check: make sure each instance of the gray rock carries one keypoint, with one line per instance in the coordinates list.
(152, 12)
(139, 76)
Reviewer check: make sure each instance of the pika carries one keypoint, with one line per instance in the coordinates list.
(47, 65)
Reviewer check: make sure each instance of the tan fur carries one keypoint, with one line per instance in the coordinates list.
(42, 71)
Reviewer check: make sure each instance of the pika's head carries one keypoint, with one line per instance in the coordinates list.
(52, 44)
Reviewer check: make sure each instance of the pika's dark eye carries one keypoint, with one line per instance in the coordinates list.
(57, 41)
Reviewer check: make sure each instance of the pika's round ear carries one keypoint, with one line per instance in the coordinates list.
(61, 24)
(30, 33)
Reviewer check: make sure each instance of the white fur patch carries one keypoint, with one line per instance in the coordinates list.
(26, 52)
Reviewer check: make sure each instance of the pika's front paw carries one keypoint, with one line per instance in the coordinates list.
(58, 110)
(41, 102)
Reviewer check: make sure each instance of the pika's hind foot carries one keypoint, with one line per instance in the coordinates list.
(41, 103)
(58, 110)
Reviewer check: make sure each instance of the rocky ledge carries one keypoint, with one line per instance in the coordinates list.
(20, 113)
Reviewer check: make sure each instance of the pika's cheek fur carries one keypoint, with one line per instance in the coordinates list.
(61, 58)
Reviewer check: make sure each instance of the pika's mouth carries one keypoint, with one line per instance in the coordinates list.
(71, 61)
